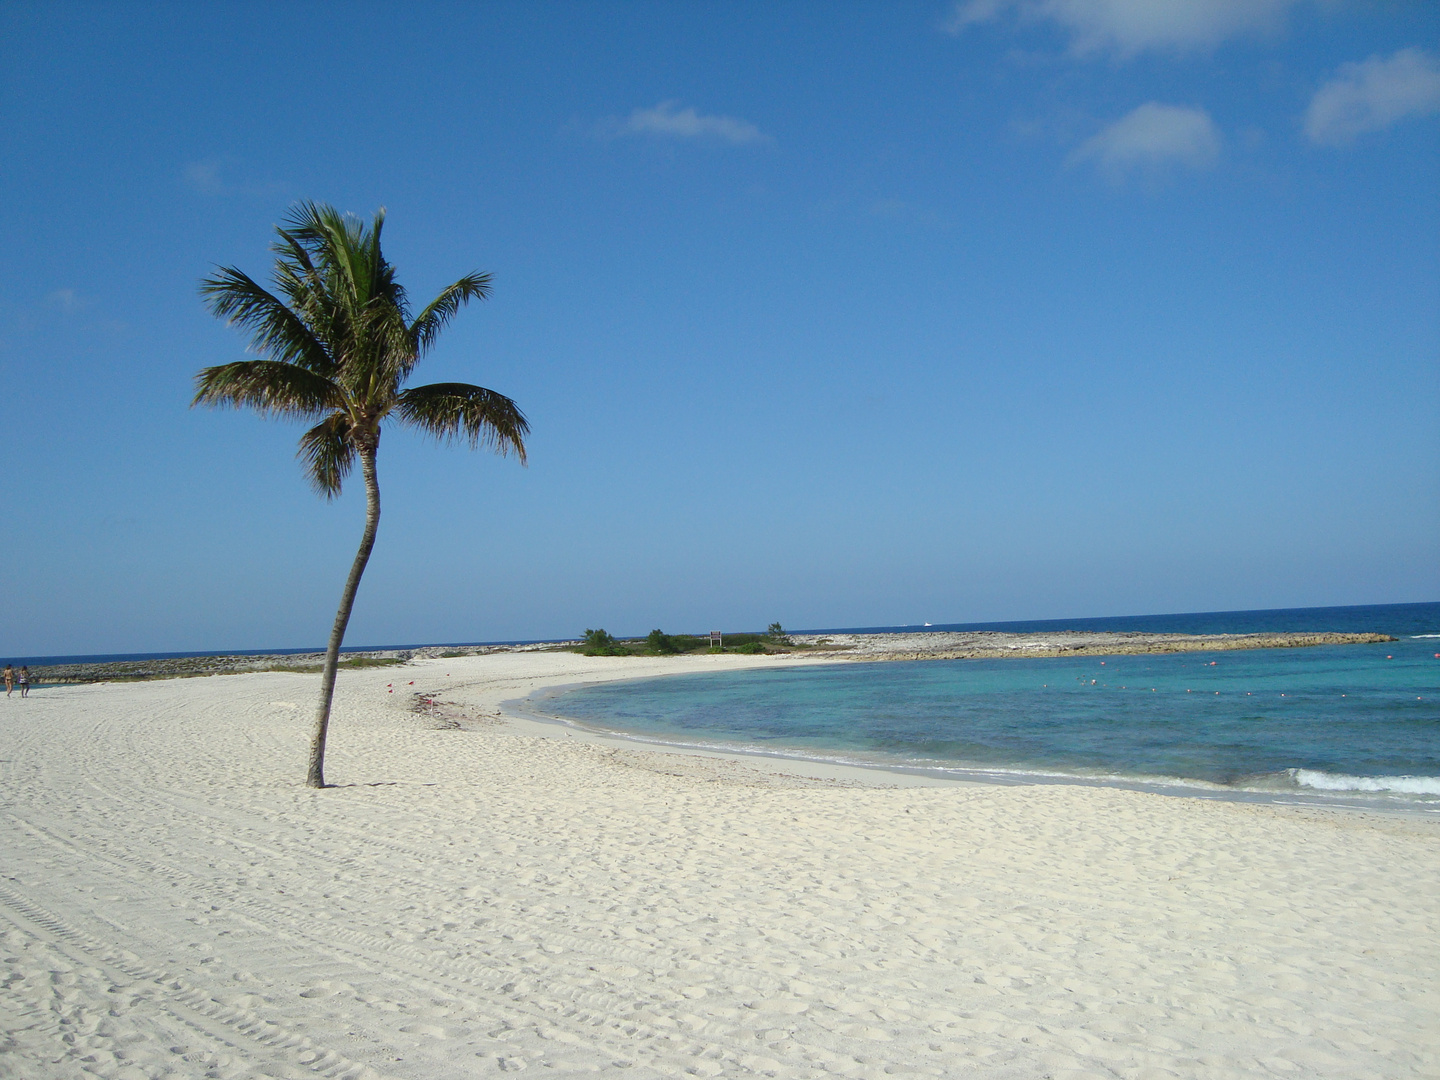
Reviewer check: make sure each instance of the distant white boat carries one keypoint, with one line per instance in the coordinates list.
(927, 624)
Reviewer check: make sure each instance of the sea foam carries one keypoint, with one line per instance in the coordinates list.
(1402, 785)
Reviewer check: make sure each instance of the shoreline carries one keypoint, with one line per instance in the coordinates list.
(521, 714)
(527, 715)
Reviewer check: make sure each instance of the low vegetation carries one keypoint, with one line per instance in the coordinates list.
(659, 643)
(352, 662)
(600, 643)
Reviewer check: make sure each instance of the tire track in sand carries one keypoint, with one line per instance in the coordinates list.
(234, 1028)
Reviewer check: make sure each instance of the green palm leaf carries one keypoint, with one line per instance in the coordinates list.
(442, 309)
(328, 454)
(479, 416)
(270, 387)
(277, 331)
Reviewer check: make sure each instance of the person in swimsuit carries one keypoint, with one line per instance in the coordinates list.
(9, 679)
(24, 681)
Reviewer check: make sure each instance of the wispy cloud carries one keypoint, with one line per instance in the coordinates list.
(215, 176)
(972, 12)
(669, 120)
(1372, 95)
(1127, 27)
(65, 299)
(204, 176)
(1153, 137)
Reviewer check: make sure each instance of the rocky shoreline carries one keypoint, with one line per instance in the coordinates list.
(186, 667)
(980, 645)
(931, 645)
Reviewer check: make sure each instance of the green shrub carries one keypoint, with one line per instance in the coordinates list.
(777, 634)
(599, 643)
(657, 641)
(734, 641)
(751, 648)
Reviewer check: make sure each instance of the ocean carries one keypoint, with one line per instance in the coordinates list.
(1351, 725)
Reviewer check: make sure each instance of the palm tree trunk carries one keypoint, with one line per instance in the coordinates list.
(316, 776)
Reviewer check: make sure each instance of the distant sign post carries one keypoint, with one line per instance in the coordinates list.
(715, 642)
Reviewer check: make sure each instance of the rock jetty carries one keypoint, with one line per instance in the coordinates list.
(981, 645)
(186, 667)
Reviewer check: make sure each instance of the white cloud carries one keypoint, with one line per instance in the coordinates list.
(670, 121)
(65, 299)
(1152, 137)
(970, 12)
(1372, 95)
(1128, 27)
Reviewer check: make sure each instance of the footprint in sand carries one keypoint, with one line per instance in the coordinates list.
(438, 1031)
(326, 989)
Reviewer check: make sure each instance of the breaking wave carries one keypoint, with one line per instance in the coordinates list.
(1399, 785)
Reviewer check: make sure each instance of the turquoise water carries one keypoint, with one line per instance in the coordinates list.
(1336, 722)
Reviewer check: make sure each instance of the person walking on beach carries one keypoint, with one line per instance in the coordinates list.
(24, 681)
(9, 679)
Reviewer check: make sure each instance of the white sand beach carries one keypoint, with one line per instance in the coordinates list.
(495, 895)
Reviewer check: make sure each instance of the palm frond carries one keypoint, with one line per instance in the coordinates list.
(295, 271)
(383, 352)
(348, 251)
(479, 416)
(328, 454)
(270, 387)
(335, 274)
(278, 332)
(307, 283)
(339, 342)
(442, 309)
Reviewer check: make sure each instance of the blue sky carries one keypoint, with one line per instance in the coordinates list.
(836, 314)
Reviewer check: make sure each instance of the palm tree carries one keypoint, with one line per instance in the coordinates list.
(338, 348)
